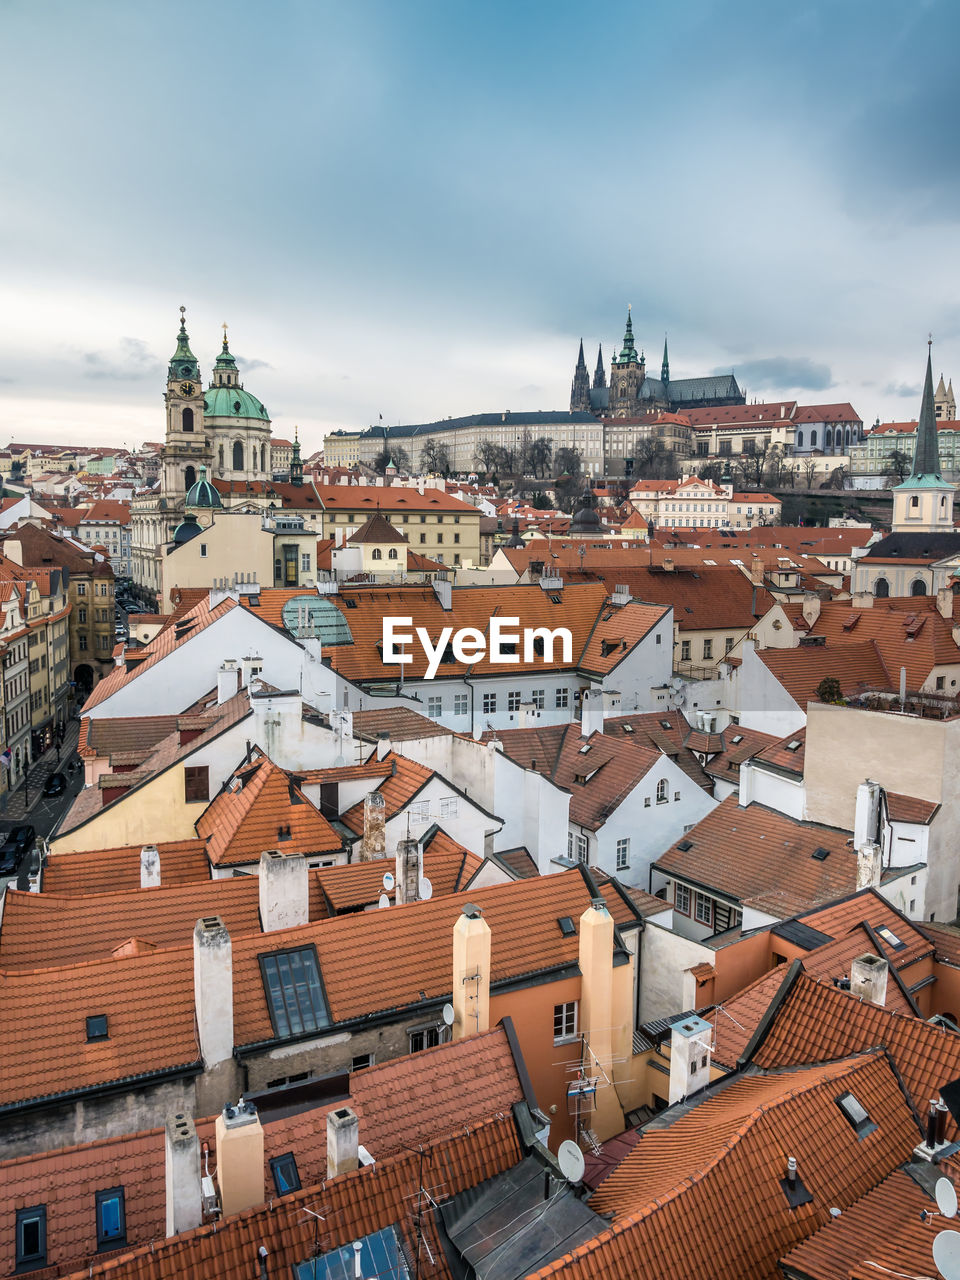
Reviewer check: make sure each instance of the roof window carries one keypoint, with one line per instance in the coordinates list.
(567, 927)
(627, 728)
(584, 749)
(665, 724)
(97, 1027)
(794, 744)
(684, 845)
(286, 1176)
(820, 854)
(890, 938)
(856, 1114)
(378, 1255)
(294, 991)
(737, 739)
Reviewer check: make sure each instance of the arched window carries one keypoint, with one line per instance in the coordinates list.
(661, 790)
(253, 457)
(914, 502)
(189, 476)
(827, 438)
(848, 435)
(221, 457)
(377, 553)
(238, 455)
(392, 554)
(813, 439)
(881, 588)
(187, 420)
(919, 588)
(799, 439)
(263, 457)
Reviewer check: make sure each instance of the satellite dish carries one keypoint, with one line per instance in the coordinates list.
(389, 881)
(449, 1016)
(946, 1254)
(426, 889)
(570, 1159)
(383, 901)
(946, 1197)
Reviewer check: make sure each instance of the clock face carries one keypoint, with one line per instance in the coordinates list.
(186, 388)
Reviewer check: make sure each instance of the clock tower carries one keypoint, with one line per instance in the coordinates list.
(185, 448)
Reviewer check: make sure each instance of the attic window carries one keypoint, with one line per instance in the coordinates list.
(554, 599)
(856, 1113)
(890, 938)
(349, 603)
(584, 749)
(820, 854)
(567, 927)
(291, 983)
(737, 739)
(286, 1176)
(794, 744)
(581, 778)
(628, 728)
(684, 845)
(97, 1027)
(665, 724)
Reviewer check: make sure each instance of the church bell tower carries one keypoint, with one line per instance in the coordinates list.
(185, 448)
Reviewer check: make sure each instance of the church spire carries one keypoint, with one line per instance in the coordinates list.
(600, 377)
(665, 366)
(296, 466)
(580, 388)
(183, 363)
(926, 458)
(629, 353)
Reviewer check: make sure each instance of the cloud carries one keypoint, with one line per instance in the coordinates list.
(776, 372)
(248, 366)
(134, 362)
(906, 389)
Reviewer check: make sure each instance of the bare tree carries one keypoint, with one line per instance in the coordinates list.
(395, 456)
(435, 456)
(537, 455)
(808, 469)
(896, 467)
(753, 464)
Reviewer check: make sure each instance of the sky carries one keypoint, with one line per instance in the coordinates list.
(416, 208)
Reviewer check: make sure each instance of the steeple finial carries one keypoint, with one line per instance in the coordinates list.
(183, 318)
(224, 335)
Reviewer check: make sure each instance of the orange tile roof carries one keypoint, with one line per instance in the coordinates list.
(122, 734)
(901, 808)
(371, 498)
(781, 755)
(246, 817)
(446, 864)
(403, 781)
(665, 730)
(191, 624)
(181, 862)
(400, 723)
(753, 854)
(946, 939)
(858, 667)
(678, 1198)
(736, 746)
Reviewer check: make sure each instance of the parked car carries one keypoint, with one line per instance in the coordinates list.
(55, 785)
(10, 858)
(23, 836)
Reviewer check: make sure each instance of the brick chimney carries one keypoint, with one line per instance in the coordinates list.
(213, 989)
(690, 1042)
(811, 607)
(149, 866)
(182, 1168)
(343, 1140)
(239, 1158)
(756, 571)
(284, 890)
(471, 973)
(408, 871)
(374, 841)
(868, 978)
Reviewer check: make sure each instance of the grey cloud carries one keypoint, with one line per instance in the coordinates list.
(249, 365)
(904, 389)
(776, 372)
(134, 362)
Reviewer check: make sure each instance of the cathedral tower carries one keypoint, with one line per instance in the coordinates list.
(580, 390)
(185, 448)
(924, 502)
(944, 404)
(627, 375)
(600, 375)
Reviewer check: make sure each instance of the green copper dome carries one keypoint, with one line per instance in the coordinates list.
(189, 528)
(233, 402)
(202, 493)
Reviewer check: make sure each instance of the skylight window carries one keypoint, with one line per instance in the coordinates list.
(794, 744)
(665, 724)
(567, 927)
(291, 983)
(97, 1027)
(737, 739)
(890, 938)
(316, 616)
(856, 1114)
(820, 854)
(585, 749)
(684, 845)
(379, 1255)
(628, 728)
(286, 1176)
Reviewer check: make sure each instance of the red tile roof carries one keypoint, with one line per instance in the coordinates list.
(404, 779)
(858, 667)
(901, 808)
(758, 856)
(181, 862)
(251, 814)
(446, 864)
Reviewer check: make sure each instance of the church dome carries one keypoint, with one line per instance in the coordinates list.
(586, 520)
(233, 402)
(187, 529)
(202, 493)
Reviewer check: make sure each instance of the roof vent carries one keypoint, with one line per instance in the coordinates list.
(684, 845)
(472, 911)
(567, 927)
(820, 854)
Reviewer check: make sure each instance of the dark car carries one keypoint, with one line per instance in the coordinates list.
(55, 785)
(23, 837)
(10, 858)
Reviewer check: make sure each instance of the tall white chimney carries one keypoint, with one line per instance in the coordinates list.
(213, 989)
(384, 746)
(182, 1170)
(284, 890)
(343, 1141)
(867, 817)
(690, 1042)
(591, 713)
(149, 866)
(228, 680)
(868, 978)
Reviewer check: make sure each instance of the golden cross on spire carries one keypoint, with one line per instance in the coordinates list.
(224, 333)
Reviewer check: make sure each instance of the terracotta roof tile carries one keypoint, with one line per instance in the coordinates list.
(857, 667)
(398, 788)
(752, 852)
(399, 722)
(786, 753)
(446, 864)
(901, 808)
(247, 816)
(946, 939)
(181, 862)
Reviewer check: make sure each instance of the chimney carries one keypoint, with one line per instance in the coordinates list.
(276, 721)
(471, 973)
(182, 1167)
(811, 607)
(528, 714)
(343, 1141)
(945, 603)
(690, 1042)
(868, 978)
(228, 680)
(866, 823)
(756, 572)
(597, 1014)
(869, 866)
(213, 989)
(284, 890)
(591, 713)
(239, 1158)
(408, 871)
(444, 593)
(149, 866)
(384, 745)
(374, 841)
(668, 565)
(621, 594)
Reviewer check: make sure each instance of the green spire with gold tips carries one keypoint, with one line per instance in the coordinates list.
(183, 363)
(628, 355)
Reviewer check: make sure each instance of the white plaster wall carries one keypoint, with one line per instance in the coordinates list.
(664, 955)
(775, 790)
(645, 669)
(764, 704)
